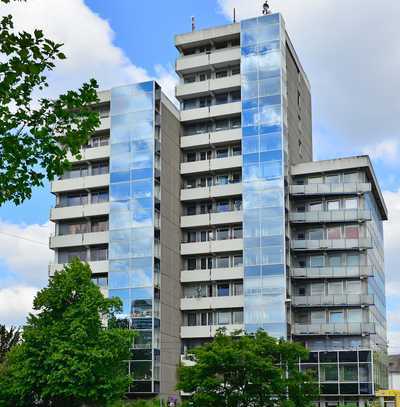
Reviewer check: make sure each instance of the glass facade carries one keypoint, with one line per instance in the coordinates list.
(264, 140)
(131, 224)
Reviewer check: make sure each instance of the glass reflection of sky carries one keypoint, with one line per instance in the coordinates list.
(131, 245)
(263, 182)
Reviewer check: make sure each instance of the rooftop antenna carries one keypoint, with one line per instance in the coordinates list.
(193, 23)
(234, 15)
(266, 8)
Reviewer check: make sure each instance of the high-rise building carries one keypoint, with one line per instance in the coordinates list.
(215, 215)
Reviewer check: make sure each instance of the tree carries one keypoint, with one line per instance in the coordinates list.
(247, 371)
(36, 134)
(68, 356)
(8, 339)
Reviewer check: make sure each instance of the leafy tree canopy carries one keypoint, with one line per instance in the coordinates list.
(36, 134)
(247, 371)
(68, 357)
(8, 339)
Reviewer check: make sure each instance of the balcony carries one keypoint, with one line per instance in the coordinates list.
(334, 329)
(218, 218)
(79, 211)
(207, 331)
(203, 61)
(213, 246)
(216, 274)
(213, 111)
(208, 86)
(92, 153)
(73, 184)
(333, 300)
(214, 164)
(215, 191)
(330, 189)
(97, 267)
(79, 239)
(337, 244)
(105, 123)
(204, 303)
(332, 272)
(347, 215)
(212, 138)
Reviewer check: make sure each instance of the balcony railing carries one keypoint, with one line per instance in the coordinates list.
(346, 215)
(333, 300)
(332, 272)
(335, 244)
(334, 329)
(330, 189)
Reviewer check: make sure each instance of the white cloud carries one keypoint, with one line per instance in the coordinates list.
(387, 150)
(24, 251)
(15, 304)
(88, 45)
(352, 59)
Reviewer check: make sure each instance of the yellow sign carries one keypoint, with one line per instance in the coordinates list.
(390, 393)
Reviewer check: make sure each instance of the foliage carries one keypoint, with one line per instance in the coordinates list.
(36, 133)
(247, 371)
(8, 339)
(68, 356)
(141, 403)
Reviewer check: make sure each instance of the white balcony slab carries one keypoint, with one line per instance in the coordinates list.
(74, 184)
(78, 239)
(334, 329)
(218, 274)
(212, 138)
(221, 218)
(332, 272)
(97, 267)
(212, 303)
(207, 331)
(79, 211)
(333, 300)
(215, 191)
(337, 244)
(213, 111)
(90, 154)
(210, 85)
(217, 246)
(346, 215)
(330, 189)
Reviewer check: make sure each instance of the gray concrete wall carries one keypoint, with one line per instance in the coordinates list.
(170, 251)
(299, 114)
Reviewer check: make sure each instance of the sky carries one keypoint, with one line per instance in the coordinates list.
(351, 57)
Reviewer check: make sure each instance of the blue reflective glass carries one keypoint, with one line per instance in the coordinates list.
(250, 145)
(275, 155)
(142, 173)
(121, 234)
(272, 141)
(142, 189)
(119, 249)
(119, 176)
(249, 131)
(124, 296)
(267, 32)
(118, 280)
(273, 270)
(120, 220)
(249, 91)
(269, 87)
(131, 98)
(120, 191)
(269, 114)
(250, 104)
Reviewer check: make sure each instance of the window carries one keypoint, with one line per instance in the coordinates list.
(318, 289)
(235, 96)
(191, 319)
(222, 290)
(353, 287)
(353, 260)
(189, 78)
(238, 289)
(191, 263)
(237, 204)
(329, 372)
(224, 318)
(222, 262)
(335, 287)
(351, 177)
(315, 180)
(99, 253)
(191, 210)
(72, 228)
(336, 317)
(354, 315)
(236, 122)
(221, 74)
(76, 172)
(237, 233)
(222, 180)
(74, 199)
(222, 234)
(99, 196)
(301, 290)
(221, 45)
(221, 98)
(318, 317)
(205, 235)
(315, 206)
(203, 317)
(332, 179)
(334, 232)
(191, 237)
(335, 260)
(351, 232)
(189, 104)
(66, 255)
(99, 225)
(301, 317)
(333, 205)
(317, 261)
(190, 156)
(221, 124)
(99, 141)
(237, 317)
(236, 70)
(316, 234)
(348, 373)
(237, 261)
(351, 203)
(203, 76)
(223, 206)
(222, 153)
(236, 150)
(99, 168)
(236, 178)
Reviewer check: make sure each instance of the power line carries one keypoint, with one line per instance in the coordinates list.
(24, 238)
